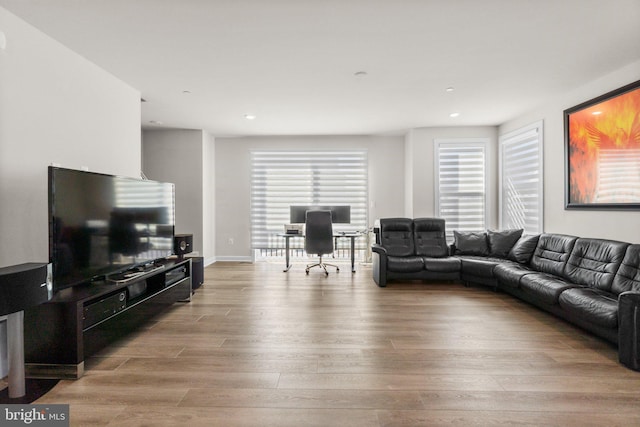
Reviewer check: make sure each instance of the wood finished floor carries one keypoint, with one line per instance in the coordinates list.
(258, 347)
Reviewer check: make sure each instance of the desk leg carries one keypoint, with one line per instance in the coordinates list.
(353, 254)
(286, 245)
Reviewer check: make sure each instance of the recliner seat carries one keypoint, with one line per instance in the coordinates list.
(413, 249)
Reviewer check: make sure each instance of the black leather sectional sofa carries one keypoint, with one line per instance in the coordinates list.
(592, 283)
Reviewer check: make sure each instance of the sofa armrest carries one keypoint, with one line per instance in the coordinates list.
(379, 265)
(379, 249)
(629, 329)
(630, 295)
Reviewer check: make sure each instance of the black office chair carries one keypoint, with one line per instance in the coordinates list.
(318, 237)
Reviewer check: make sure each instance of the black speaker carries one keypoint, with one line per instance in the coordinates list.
(182, 244)
(197, 272)
(23, 286)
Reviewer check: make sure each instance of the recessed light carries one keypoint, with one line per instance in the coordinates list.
(454, 115)
(186, 91)
(450, 89)
(360, 73)
(597, 113)
(249, 116)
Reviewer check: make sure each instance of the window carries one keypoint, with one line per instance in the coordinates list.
(521, 179)
(283, 178)
(460, 186)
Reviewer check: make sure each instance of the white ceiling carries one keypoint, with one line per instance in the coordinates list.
(292, 62)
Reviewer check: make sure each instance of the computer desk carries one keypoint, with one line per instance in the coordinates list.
(352, 236)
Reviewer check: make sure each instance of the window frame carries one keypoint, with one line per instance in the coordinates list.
(464, 143)
(515, 136)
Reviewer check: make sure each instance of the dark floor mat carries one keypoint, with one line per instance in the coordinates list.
(35, 389)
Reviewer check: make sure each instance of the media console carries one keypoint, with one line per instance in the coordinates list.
(81, 320)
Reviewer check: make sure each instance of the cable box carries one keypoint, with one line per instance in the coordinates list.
(175, 275)
(100, 310)
(136, 289)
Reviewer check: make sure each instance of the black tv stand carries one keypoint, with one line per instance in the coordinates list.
(134, 274)
(82, 320)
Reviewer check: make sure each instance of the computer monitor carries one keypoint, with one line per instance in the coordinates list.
(339, 214)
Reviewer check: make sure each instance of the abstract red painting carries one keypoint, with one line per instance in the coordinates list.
(602, 145)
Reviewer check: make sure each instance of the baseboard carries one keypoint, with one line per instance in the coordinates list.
(233, 259)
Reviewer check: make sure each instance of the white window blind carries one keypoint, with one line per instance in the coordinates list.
(280, 179)
(521, 179)
(461, 184)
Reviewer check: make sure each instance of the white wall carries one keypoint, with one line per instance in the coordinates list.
(177, 156)
(408, 174)
(233, 172)
(55, 106)
(617, 225)
(421, 183)
(209, 211)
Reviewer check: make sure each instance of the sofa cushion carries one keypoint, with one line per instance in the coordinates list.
(594, 305)
(552, 253)
(544, 287)
(442, 265)
(479, 266)
(501, 242)
(523, 249)
(396, 236)
(407, 264)
(469, 243)
(429, 237)
(628, 276)
(594, 262)
(510, 273)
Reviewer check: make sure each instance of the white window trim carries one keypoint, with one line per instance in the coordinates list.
(502, 139)
(461, 142)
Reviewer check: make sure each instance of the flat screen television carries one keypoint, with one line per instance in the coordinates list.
(101, 225)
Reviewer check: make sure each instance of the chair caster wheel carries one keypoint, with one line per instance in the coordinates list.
(326, 274)
(337, 270)
(307, 271)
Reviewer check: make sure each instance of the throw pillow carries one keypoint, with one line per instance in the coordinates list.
(471, 243)
(524, 248)
(501, 242)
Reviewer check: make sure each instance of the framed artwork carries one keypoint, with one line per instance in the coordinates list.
(602, 151)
